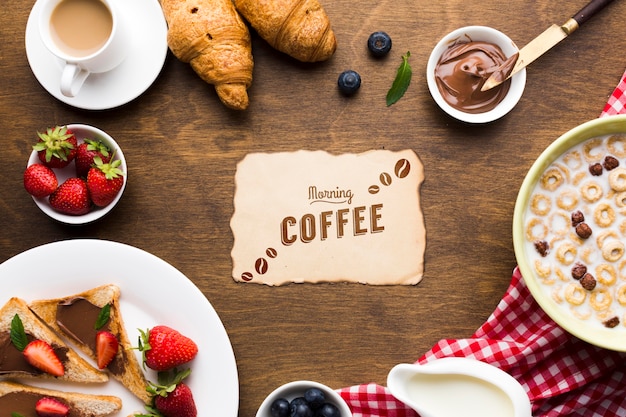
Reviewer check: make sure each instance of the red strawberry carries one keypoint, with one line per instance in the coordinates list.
(72, 197)
(178, 403)
(51, 407)
(106, 348)
(171, 397)
(57, 147)
(104, 180)
(39, 180)
(165, 348)
(41, 355)
(85, 154)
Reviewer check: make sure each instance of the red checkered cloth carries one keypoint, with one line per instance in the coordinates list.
(617, 102)
(562, 375)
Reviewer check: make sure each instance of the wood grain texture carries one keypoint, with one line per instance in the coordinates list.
(337, 334)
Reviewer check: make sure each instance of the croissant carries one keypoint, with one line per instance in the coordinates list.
(211, 36)
(299, 28)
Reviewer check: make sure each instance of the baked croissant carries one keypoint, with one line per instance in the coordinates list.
(211, 36)
(299, 28)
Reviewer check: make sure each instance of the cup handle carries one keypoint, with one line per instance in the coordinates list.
(72, 79)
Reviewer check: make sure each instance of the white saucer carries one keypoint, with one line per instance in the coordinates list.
(121, 85)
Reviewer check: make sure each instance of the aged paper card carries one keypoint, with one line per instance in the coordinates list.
(310, 216)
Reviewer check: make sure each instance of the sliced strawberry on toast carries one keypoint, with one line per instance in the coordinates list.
(82, 317)
(18, 321)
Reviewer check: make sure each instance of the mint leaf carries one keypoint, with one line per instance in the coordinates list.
(402, 81)
(103, 317)
(18, 335)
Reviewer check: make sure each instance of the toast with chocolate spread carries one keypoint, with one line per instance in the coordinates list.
(75, 317)
(22, 399)
(13, 362)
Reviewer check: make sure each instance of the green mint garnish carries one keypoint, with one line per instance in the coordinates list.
(18, 335)
(401, 82)
(103, 317)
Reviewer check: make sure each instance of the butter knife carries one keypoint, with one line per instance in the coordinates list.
(542, 43)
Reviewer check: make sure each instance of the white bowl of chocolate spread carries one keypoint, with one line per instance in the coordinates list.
(460, 64)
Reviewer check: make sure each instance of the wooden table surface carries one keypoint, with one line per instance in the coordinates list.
(182, 147)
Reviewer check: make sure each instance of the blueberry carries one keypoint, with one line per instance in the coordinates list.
(349, 82)
(379, 44)
(328, 410)
(315, 397)
(300, 409)
(280, 408)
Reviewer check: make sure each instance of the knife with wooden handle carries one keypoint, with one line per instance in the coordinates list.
(542, 43)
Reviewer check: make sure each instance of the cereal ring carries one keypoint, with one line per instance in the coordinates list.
(620, 199)
(617, 145)
(562, 276)
(567, 200)
(573, 160)
(581, 315)
(556, 294)
(591, 191)
(552, 179)
(541, 204)
(589, 255)
(621, 295)
(600, 299)
(604, 215)
(621, 270)
(566, 253)
(579, 177)
(560, 223)
(543, 271)
(617, 179)
(605, 235)
(590, 146)
(613, 251)
(536, 230)
(574, 294)
(606, 274)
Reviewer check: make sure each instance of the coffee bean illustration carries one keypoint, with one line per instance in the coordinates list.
(271, 253)
(385, 179)
(402, 168)
(246, 276)
(261, 266)
(373, 189)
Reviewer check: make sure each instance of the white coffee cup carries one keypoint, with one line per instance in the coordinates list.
(90, 36)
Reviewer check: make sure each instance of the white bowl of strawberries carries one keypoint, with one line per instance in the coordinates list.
(76, 173)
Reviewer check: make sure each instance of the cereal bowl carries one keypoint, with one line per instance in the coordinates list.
(476, 34)
(297, 389)
(569, 228)
(82, 132)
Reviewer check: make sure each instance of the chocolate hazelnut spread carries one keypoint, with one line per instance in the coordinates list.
(12, 360)
(77, 317)
(463, 69)
(23, 403)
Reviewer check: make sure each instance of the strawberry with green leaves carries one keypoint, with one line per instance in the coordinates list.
(86, 153)
(164, 348)
(171, 397)
(71, 197)
(104, 181)
(56, 147)
(40, 181)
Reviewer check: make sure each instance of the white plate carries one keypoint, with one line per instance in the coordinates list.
(120, 85)
(152, 292)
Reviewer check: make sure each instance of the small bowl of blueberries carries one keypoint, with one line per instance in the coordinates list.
(304, 399)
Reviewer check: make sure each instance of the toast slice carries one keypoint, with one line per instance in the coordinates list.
(21, 398)
(75, 317)
(14, 365)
